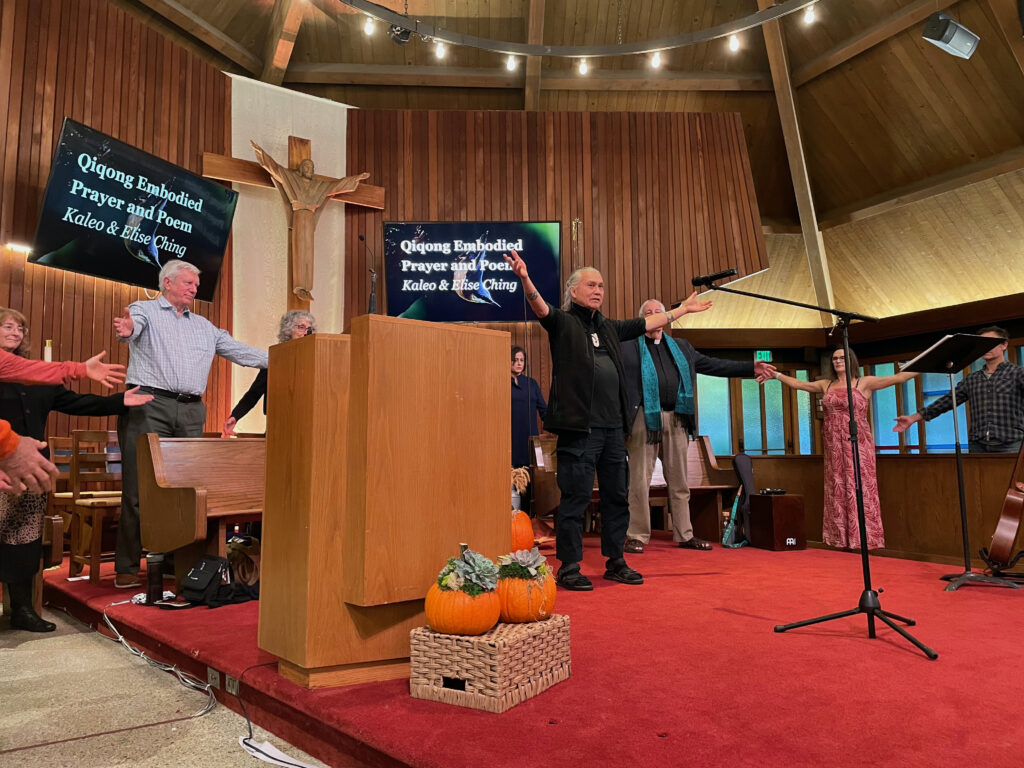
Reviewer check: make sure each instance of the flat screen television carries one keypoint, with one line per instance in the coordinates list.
(454, 271)
(116, 212)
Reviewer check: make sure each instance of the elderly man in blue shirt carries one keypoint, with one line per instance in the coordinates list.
(172, 350)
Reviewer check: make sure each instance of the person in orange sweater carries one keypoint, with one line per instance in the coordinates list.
(22, 467)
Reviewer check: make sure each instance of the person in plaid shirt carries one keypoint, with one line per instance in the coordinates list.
(996, 395)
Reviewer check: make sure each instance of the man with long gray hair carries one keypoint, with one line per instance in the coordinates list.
(171, 351)
(587, 410)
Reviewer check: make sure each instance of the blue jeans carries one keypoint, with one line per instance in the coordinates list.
(1011, 446)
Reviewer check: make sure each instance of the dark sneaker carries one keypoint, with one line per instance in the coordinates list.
(624, 575)
(575, 581)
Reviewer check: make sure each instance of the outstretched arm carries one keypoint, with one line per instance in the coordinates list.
(692, 304)
(903, 423)
(268, 163)
(871, 383)
(537, 303)
(806, 386)
(347, 184)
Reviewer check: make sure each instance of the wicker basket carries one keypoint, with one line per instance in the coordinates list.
(494, 671)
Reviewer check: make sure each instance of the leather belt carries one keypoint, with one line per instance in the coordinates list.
(181, 397)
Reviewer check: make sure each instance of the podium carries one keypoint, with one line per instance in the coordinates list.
(386, 448)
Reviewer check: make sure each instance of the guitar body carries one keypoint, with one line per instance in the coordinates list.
(1001, 549)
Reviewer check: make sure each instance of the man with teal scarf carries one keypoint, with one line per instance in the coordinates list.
(661, 375)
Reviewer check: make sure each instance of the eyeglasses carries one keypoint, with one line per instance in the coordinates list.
(14, 327)
(302, 327)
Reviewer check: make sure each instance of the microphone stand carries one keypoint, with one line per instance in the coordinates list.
(869, 603)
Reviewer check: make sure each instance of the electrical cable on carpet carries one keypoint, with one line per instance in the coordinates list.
(184, 678)
(265, 751)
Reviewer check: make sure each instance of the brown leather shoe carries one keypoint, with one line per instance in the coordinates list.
(127, 580)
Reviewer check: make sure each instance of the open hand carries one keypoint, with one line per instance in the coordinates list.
(124, 325)
(903, 423)
(107, 374)
(693, 304)
(27, 469)
(132, 397)
(518, 265)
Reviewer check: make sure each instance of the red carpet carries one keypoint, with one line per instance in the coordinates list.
(684, 670)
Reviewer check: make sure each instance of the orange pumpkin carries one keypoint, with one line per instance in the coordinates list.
(524, 600)
(456, 613)
(522, 531)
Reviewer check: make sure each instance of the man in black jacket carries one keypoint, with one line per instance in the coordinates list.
(661, 378)
(587, 410)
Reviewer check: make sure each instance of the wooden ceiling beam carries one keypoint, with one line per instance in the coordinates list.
(1005, 13)
(534, 36)
(785, 97)
(199, 28)
(284, 28)
(402, 75)
(644, 80)
(466, 77)
(990, 167)
(899, 21)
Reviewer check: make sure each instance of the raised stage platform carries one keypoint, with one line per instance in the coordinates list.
(684, 670)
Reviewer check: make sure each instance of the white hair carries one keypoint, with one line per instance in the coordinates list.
(171, 269)
(649, 301)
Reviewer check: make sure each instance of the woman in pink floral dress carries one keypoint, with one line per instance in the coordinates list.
(839, 521)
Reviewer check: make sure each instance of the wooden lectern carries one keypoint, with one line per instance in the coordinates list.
(386, 448)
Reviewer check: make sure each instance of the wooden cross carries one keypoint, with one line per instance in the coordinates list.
(249, 172)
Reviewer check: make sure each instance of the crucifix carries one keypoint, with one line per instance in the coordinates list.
(304, 194)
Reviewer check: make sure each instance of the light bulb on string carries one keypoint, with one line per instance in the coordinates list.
(583, 67)
(656, 60)
(809, 16)
(439, 50)
(511, 63)
(734, 43)
(368, 26)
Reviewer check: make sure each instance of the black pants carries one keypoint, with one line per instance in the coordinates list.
(602, 451)
(167, 418)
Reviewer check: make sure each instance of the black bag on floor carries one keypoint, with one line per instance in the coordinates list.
(206, 577)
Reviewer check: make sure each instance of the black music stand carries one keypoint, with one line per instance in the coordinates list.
(869, 603)
(949, 355)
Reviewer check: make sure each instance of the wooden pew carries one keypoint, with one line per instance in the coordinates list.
(193, 490)
(711, 486)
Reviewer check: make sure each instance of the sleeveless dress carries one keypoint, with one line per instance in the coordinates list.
(839, 523)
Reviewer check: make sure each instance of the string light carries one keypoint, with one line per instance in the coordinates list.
(656, 60)
(511, 63)
(809, 14)
(440, 50)
(368, 26)
(583, 67)
(734, 43)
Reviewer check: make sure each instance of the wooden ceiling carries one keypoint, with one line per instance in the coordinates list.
(847, 118)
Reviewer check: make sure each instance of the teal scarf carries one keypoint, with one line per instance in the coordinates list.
(652, 395)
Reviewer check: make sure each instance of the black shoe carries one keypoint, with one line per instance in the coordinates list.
(574, 581)
(27, 619)
(624, 575)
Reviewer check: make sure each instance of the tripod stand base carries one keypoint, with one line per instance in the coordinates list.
(957, 580)
(871, 607)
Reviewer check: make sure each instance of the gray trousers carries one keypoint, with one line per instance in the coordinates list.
(167, 418)
(673, 449)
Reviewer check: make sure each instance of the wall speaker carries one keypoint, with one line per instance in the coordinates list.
(950, 36)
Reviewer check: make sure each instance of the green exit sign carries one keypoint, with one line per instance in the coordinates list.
(763, 356)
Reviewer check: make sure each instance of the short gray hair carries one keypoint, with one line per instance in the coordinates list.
(289, 320)
(171, 269)
(640, 313)
(572, 282)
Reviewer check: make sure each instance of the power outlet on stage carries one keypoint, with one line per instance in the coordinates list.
(213, 677)
(231, 685)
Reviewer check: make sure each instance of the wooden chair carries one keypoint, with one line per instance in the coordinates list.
(62, 500)
(95, 459)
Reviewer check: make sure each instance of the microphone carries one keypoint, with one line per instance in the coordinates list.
(709, 279)
(372, 309)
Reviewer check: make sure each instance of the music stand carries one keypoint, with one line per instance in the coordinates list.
(869, 603)
(948, 355)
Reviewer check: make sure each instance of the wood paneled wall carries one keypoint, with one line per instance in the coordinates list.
(919, 500)
(90, 61)
(659, 197)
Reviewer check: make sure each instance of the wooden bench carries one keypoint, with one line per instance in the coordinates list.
(193, 490)
(711, 486)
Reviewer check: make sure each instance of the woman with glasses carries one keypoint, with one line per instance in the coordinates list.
(294, 325)
(26, 408)
(839, 523)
